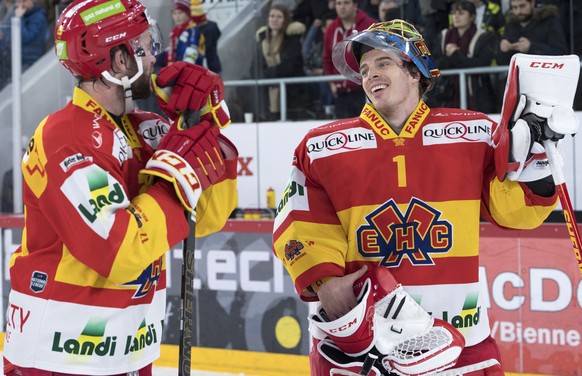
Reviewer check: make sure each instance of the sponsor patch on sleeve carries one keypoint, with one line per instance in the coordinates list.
(294, 197)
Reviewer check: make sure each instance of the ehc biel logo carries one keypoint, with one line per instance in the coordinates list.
(416, 234)
(293, 249)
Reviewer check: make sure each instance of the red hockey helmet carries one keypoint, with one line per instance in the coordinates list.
(88, 29)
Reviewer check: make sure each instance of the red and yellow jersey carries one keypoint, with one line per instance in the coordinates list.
(411, 202)
(88, 282)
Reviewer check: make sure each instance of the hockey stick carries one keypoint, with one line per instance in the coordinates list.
(560, 182)
(368, 363)
(187, 283)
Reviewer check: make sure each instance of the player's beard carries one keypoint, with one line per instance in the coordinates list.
(141, 87)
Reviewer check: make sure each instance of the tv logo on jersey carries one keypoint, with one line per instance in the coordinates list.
(456, 131)
(394, 235)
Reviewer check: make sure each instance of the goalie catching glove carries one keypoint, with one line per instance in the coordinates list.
(387, 322)
(192, 160)
(184, 88)
(537, 107)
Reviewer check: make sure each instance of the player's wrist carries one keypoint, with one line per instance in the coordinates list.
(315, 286)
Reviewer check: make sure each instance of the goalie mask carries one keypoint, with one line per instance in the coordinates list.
(87, 30)
(395, 35)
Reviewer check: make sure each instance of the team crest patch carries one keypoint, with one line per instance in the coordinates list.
(293, 251)
(38, 281)
(414, 235)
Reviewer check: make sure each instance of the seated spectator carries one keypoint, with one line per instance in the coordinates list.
(531, 31)
(279, 52)
(464, 46)
(211, 33)
(186, 42)
(312, 50)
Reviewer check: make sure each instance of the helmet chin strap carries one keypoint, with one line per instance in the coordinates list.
(126, 82)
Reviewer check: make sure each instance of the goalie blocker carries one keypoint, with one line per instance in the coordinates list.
(388, 324)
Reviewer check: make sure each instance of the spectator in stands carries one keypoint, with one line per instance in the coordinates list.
(307, 11)
(370, 7)
(279, 51)
(211, 33)
(532, 31)
(389, 10)
(6, 11)
(489, 16)
(465, 46)
(312, 51)
(34, 32)
(408, 10)
(186, 41)
(348, 96)
(428, 23)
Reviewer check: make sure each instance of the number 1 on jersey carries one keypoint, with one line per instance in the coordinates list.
(401, 169)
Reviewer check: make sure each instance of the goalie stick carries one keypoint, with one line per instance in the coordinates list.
(531, 68)
(560, 182)
(187, 283)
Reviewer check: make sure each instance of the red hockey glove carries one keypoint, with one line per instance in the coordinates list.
(183, 87)
(191, 160)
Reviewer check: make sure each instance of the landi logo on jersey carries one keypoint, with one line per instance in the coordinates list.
(457, 131)
(414, 235)
(468, 317)
(93, 342)
(340, 142)
(95, 194)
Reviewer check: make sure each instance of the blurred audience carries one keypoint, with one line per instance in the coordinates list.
(532, 31)
(34, 36)
(389, 10)
(6, 11)
(307, 11)
(211, 33)
(489, 16)
(279, 52)
(312, 51)
(349, 98)
(464, 46)
(186, 42)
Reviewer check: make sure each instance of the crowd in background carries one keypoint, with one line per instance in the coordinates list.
(460, 34)
(298, 36)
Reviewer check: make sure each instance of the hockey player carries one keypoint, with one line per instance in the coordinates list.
(401, 188)
(105, 191)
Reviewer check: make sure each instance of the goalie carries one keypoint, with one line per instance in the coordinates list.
(380, 219)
